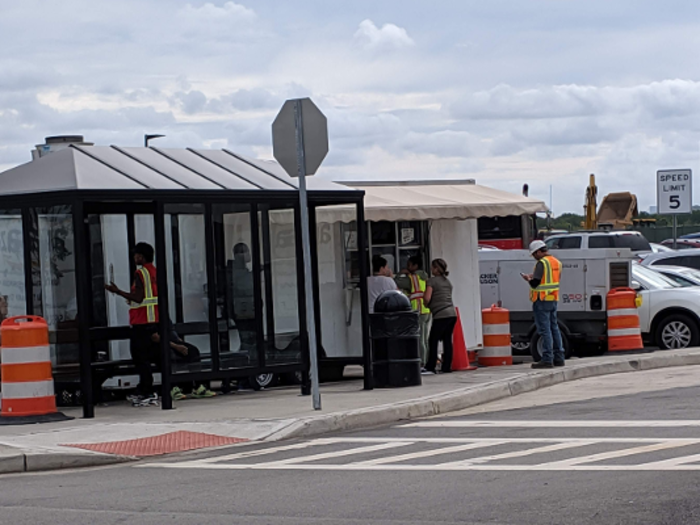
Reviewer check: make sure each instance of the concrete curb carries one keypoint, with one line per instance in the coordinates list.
(469, 397)
(47, 459)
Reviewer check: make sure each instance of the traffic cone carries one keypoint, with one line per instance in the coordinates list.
(460, 359)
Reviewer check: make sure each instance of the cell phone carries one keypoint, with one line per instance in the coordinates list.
(523, 274)
(111, 273)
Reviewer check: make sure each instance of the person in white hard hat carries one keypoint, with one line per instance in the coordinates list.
(544, 294)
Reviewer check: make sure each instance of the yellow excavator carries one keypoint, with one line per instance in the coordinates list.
(617, 210)
(591, 206)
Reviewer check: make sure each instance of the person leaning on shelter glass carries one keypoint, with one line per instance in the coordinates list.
(143, 318)
(438, 297)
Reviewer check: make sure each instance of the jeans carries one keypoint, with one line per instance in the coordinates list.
(548, 328)
(441, 331)
(424, 322)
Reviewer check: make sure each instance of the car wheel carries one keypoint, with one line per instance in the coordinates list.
(677, 331)
(265, 380)
(536, 347)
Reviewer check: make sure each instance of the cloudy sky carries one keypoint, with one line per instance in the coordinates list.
(503, 91)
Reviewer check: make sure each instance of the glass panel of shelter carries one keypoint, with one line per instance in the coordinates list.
(257, 300)
(12, 283)
(50, 233)
(281, 269)
(236, 311)
(188, 288)
(338, 274)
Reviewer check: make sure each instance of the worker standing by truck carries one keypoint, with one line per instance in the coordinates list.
(544, 294)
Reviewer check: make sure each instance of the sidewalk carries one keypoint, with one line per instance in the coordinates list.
(120, 432)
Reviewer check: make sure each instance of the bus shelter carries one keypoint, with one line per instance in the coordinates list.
(227, 239)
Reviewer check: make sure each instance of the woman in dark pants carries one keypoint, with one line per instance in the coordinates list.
(438, 297)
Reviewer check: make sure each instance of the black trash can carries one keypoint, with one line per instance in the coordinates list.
(395, 342)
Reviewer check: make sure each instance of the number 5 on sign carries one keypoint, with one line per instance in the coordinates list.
(674, 191)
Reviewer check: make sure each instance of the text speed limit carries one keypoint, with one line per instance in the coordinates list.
(674, 191)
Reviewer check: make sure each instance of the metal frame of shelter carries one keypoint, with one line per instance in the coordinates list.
(158, 202)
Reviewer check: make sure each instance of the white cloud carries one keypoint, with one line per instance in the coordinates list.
(230, 11)
(390, 36)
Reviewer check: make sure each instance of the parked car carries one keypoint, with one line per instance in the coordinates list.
(682, 244)
(670, 314)
(584, 240)
(660, 248)
(680, 274)
(655, 248)
(688, 258)
(690, 236)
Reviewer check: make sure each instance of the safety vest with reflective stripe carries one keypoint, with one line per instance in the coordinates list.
(417, 293)
(548, 290)
(145, 312)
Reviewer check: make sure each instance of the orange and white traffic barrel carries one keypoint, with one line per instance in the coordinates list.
(27, 379)
(624, 332)
(496, 328)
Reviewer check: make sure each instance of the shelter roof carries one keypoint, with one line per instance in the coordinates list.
(121, 168)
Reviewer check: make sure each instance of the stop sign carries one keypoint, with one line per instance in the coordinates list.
(314, 134)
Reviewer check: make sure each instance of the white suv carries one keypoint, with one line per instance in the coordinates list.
(585, 240)
(670, 314)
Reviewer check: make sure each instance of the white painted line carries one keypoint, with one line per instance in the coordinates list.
(671, 423)
(262, 452)
(618, 454)
(674, 462)
(336, 454)
(431, 468)
(519, 453)
(430, 453)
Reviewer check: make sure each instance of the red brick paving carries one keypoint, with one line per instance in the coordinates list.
(179, 441)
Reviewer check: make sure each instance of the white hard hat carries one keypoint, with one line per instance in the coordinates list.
(536, 245)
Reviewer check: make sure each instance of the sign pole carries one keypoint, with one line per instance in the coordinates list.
(675, 231)
(306, 253)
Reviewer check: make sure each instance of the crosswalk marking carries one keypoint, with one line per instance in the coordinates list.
(554, 424)
(429, 453)
(519, 453)
(621, 453)
(338, 453)
(306, 455)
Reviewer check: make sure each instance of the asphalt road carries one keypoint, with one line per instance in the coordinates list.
(566, 455)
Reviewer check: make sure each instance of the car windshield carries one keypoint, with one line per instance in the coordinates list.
(691, 273)
(652, 280)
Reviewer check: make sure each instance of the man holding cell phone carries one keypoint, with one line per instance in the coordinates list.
(143, 318)
(544, 294)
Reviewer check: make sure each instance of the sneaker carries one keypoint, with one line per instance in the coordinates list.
(425, 372)
(177, 394)
(542, 364)
(146, 401)
(202, 392)
(133, 397)
(559, 363)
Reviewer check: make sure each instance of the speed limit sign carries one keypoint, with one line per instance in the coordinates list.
(674, 192)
